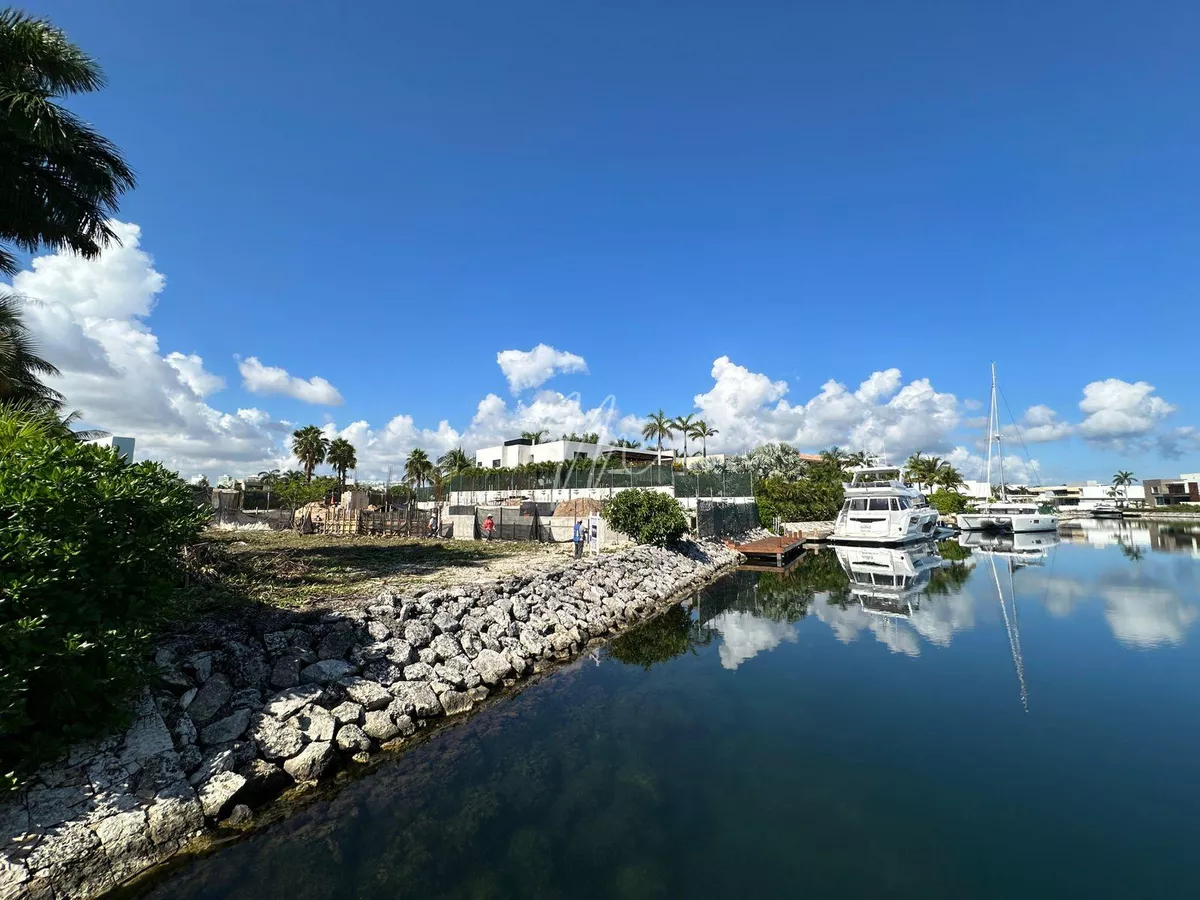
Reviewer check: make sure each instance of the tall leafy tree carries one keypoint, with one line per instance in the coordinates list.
(948, 478)
(417, 468)
(309, 446)
(456, 462)
(60, 180)
(269, 478)
(683, 426)
(1122, 480)
(658, 428)
(342, 457)
(21, 368)
(701, 432)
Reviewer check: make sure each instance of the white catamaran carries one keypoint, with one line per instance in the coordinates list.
(881, 507)
(1004, 515)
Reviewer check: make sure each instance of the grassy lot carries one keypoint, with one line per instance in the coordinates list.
(291, 570)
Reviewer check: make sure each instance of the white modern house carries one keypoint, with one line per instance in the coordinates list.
(123, 445)
(522, 451)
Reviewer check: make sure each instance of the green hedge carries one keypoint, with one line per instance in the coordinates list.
(806, 500)
(649, 517)
(90, 550)
(949, 503)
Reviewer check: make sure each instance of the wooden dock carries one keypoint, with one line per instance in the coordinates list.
(776, 549)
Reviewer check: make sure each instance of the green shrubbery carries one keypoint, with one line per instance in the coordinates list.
(648, 517)
(89, 553)
(810, 499)
(949, 503)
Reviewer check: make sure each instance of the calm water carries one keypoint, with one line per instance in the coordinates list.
(943, 722)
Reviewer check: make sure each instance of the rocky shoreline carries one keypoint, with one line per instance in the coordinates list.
(244, 710)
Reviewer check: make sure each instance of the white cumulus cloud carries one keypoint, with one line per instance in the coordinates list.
(1119, 413)
(532, 368)
(260, 379)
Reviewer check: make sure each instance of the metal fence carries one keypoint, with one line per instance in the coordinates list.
(685, 484)
(513, 523)
(715, 520)
(407, 521)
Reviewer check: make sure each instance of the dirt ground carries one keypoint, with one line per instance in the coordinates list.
(286, 569)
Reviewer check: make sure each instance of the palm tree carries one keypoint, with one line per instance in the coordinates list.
(417, 468)
(61, 180)
(701, 432)
(456, 462)
(683, 425)
(534, 436)
(627, 443)
(341, 456)
(1123, 480)
(859, 458)
(657, 428)
(269, 478)
(21, 369)
(948, 478)
(309, 446)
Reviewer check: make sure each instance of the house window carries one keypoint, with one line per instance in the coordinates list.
(580, 455)
(495, 463)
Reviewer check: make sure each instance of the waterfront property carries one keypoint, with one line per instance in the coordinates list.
(951, 748)
(1172, 491)
(523, 451)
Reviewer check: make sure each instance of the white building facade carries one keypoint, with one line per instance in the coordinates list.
(522, 451)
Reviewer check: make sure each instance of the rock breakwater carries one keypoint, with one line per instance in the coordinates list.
(243, 710)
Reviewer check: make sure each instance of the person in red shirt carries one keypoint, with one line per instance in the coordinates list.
(488, 527)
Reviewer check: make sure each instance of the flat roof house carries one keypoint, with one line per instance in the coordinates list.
(1169, 491)
(522, 451)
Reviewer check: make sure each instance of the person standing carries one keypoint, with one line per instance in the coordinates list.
(578, 538)
(489, 526)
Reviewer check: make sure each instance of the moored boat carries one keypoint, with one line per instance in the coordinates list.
(882, 507)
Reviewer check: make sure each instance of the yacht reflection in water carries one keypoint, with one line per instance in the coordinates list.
(889, 581)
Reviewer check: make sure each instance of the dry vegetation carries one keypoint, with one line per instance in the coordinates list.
(293, 570)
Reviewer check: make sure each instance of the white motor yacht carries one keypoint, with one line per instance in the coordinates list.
(1004, 515)
(881, 507)
(1106, 509)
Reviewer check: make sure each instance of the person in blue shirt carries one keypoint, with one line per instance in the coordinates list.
(578, 539)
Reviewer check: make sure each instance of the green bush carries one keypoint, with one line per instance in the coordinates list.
(646, 516)
(949, 503)
(90, 550)
(809, 499)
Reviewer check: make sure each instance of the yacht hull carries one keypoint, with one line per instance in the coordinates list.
(888, 531)
(1013, 523)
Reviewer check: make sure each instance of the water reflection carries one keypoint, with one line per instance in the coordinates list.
(928, 593)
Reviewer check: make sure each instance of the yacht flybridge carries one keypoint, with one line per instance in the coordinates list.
(1004, 515)
(881, 507)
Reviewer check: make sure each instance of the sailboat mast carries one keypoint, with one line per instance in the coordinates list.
(991, 427)
(999, 439)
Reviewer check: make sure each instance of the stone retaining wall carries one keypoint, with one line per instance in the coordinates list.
(241, 711)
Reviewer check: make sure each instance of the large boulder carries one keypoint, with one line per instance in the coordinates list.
(274, 739)
(368, 693)
(493, 667)
(352, 739)
(208, 701)
(287, 703)
(314, 723)
(227, 729)
(312, 762)
(218, 792)
(415, 698)
(326, 671)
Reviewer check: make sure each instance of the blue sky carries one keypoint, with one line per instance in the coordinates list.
(699, 200)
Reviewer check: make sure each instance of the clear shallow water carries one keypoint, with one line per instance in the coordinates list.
(811, 735)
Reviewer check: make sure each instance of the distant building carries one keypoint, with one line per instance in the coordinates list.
(1170, 491)
(523, 451)
(123, 445)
